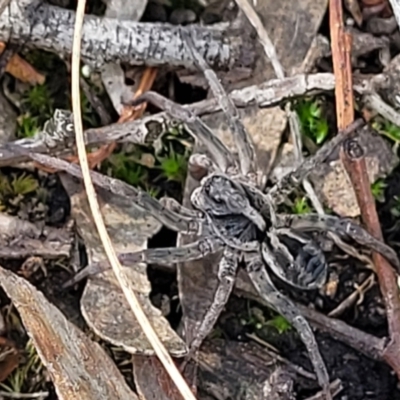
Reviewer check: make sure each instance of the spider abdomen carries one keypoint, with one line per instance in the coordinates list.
(303, 263)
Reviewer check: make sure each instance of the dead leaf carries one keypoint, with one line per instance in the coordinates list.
(113, 78)
(9, 358)
(147, 160)
(103, 304)
(131, 10)
(152, 380)
(22, 70)
(265, 125)
(78, 367)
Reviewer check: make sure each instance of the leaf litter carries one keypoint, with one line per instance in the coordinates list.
(102, 304)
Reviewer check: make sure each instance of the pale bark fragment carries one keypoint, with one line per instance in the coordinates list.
(46, 27)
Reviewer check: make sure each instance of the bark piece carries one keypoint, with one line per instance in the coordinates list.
(103, 304)
(110, 40)
(78, 367)
(8, 121)
(152, 380)
(21, 239)
(228, 370)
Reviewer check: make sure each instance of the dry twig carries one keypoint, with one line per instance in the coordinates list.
(354, 163)
(145, 130)
(50, 28)
(125, 284)
(396, 10)
(294, 122)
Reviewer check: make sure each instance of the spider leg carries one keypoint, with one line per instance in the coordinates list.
(243, 141)
(294, 178)
(173, 205)
(200, 165)
(267, 290)
(195, 126)
(227, 269)
(172, 255)
(169, 218)
(166, 256)
(343, 227)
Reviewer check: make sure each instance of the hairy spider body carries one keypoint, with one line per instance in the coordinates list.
(233, 214)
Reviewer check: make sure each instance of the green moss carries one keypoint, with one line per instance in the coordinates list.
(387, 128)
(378, 190)
(29, 376)
(312, 120)
(160, 170)
(17, 185)
(301, 206)
(258, 320)
(281, 324)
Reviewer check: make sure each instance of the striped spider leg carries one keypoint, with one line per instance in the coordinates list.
(262, 282)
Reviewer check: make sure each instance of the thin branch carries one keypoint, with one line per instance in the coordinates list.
(365, 343)
(375, 102)
(50, 28)
(16, 395)
(294, 122)
(122, 279)
(335, 387)
(149, 128)
(356, 168)
(354, 162)
(396, 10)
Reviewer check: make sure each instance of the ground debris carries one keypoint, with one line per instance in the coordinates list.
(78, 367)
(227, 370)
(21, 239)
(333, 184)
(245, 371)
(103, 304)
(331, 181)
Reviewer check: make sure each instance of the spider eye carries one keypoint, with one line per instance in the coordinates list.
(218, 199)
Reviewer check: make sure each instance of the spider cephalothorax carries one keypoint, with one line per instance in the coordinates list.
(219, 196)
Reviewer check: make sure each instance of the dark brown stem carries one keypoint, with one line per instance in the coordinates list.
(354, 162)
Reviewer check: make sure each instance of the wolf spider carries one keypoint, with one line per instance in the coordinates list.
(234, 214)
